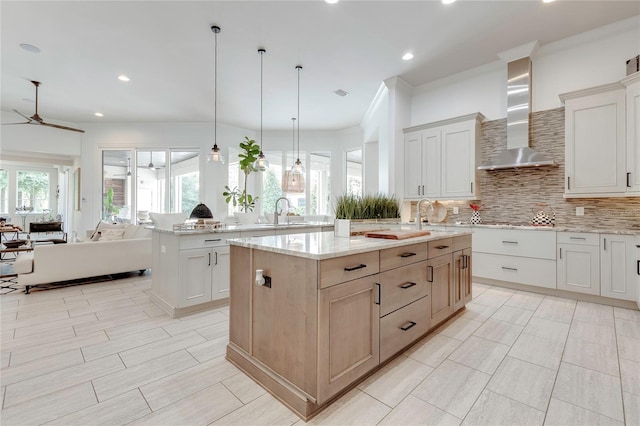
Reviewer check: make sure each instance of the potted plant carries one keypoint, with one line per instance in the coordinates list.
(249, 151)
(372, 210)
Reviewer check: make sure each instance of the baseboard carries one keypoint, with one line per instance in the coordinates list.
(180, 312)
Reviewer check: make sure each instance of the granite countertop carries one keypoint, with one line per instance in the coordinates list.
(628, 231)
(325, 245)
(240, 228)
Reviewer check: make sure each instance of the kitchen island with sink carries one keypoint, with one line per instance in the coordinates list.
(312, 314)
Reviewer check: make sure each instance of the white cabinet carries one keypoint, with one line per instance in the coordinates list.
(440, 159)
(220, 264)
(602, 140)
(578, 266)
(195, 276)
(618, 266)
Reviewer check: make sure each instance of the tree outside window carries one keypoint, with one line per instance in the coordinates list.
(33, 190)
(4, 192)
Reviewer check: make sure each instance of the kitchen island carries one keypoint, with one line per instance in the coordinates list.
(327, 311)
(191, 266)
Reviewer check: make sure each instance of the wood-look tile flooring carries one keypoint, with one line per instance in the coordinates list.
(104, 354)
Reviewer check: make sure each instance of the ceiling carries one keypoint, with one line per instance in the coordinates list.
(167, 50)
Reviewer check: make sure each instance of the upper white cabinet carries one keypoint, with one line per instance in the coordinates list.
(602, 157)
(440, 159)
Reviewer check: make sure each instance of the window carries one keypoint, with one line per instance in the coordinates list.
(272, 182)
(150, 181)
(116, 185)
(33, 190)
(185, 181)
(320, 183)
(354, 172)
(4, 192)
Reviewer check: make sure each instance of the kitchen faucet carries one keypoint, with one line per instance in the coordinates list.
(418, 216)
(275, 213)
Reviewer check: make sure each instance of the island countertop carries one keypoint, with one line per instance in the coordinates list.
(248, 227)
(325, 245)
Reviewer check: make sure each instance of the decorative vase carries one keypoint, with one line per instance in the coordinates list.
(475, 218)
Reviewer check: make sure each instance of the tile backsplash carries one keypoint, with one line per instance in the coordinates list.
(510, 196)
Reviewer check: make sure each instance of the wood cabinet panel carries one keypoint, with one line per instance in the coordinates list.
(462, 278)
(440, 247)
(348, 340)
(400, 256)
(403, 327)
(440, 274)
(401, 286)
(240, 312)
(347, 268)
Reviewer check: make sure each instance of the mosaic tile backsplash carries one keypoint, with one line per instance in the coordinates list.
(510, 196)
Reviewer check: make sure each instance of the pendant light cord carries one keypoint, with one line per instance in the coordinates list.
(299, 67)
(216, 30)
(262, 51)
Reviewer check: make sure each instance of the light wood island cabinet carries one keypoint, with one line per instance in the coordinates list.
(333, 311)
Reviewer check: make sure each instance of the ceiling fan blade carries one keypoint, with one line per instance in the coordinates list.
(29, 119)
(13, 124)
(57, 126)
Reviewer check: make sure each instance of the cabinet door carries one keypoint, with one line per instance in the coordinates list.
(458, 160)
(618, 267)
(578, 268)
(413, 185)
(220, 273)
(430, 162)
(195, 277)
(440, 274)
(633, 138)
(349, 338)
(595, 145)
(462, 278)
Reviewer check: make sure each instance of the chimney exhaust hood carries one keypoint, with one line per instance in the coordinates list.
(518, 153)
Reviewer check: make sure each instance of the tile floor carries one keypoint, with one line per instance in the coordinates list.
(104, 354)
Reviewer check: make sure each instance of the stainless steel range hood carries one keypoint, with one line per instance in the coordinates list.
(518, 154)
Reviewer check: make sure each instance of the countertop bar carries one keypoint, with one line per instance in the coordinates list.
(325, 245)
(617, 231)
(240, 228)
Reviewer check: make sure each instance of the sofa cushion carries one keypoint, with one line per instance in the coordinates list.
(167, 220)
(111, 234)
(23, 263)
(101, 226)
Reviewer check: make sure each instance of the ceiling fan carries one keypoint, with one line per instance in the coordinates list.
(36, 119)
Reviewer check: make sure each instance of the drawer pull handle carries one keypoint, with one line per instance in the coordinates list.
(408, 254)
(442, 247)
(407, 285)
(638, 267)
(628, 180)
(509, 242)
(577, 238)
(510, 269)
(407, 327)
(430, 279)
(379, 295)
(465, 261)
(213, 241)
(354, 268)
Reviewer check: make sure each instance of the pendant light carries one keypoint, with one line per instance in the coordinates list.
(129, 167)
(216, 155)
(261, 164)
(151, 166)
(292, 181)
(297, 167)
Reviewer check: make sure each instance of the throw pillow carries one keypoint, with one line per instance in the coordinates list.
(167, 220)
(130, 231)
(111, 234)
(101, 226)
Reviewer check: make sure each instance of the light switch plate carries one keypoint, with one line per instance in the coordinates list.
(456, 210)
(579, 211)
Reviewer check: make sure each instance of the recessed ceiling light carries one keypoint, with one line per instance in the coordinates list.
(548, 1)
(30, 48)
(448, 1)
(341, 92)
(407, 56)
(331, 1)
(123, 77)
(99, 114)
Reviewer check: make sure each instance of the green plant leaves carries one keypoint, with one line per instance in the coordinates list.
(378, 206)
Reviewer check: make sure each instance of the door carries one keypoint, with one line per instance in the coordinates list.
(458, 160)
(618, 266)
(430, 162)
(440, 275)
(413, 185)
(578, 268)
(195, 277)
(220, 266)
(348, 337)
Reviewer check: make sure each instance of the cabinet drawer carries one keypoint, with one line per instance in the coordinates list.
(400, 256)
(523, 270)
(401, 286)
(583, 238)
(347, 268)
(462, 242)
(402, 327)
(204, 240)
(440, 247)
(516, 242)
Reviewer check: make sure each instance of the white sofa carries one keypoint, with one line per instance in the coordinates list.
(63, 262)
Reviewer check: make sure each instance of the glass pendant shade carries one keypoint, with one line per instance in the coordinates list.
(298, 167)
(261, 164)
(215, 156)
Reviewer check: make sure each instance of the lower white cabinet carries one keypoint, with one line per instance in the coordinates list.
(220, 280)
(618, 266)
(195, 276)
(578, 266)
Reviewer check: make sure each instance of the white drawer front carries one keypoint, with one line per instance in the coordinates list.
(522, 270)
(204, 240)
(515, 242)
(584, 238)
